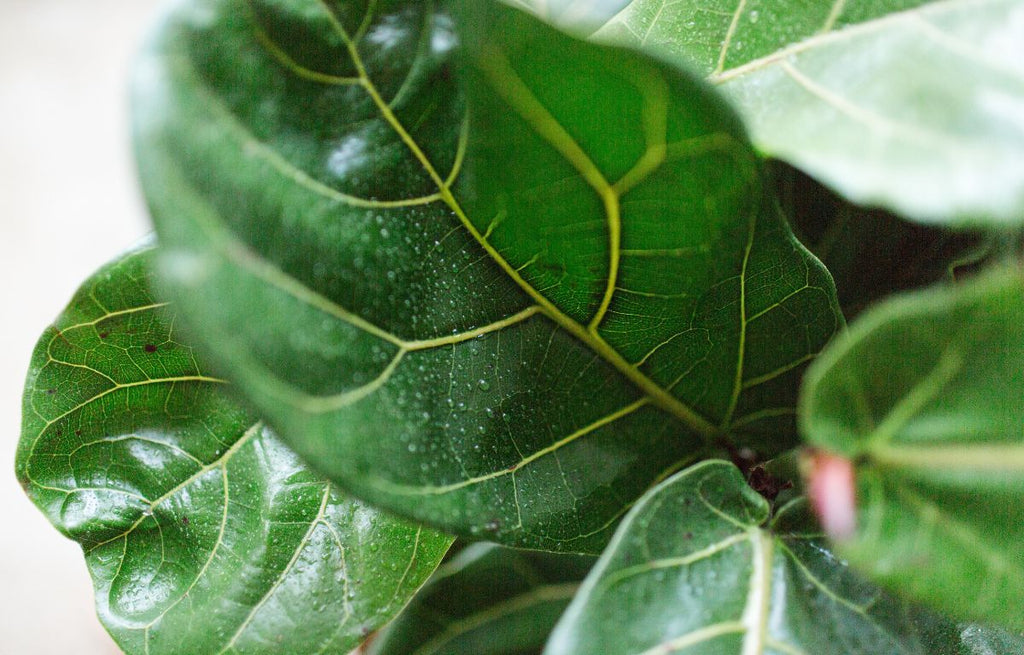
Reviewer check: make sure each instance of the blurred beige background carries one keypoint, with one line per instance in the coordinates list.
(67, 204)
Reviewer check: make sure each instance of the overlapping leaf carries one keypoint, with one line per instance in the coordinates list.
(468, 294)
(871, 253)
(572, 15)
(486, 601)
(202, 531)
(702, 566)
(924, 396)
(912, 104)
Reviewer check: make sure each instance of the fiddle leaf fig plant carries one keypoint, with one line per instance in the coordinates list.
(429, 271)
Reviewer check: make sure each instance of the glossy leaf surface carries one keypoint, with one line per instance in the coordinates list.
(574, 15)
(202, 531)
(487, 600)
(531, 313)
(700, 566)
(910, 104)
(924, 396)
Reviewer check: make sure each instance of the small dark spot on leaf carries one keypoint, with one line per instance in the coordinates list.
(104, 335)
(50, 392)
(512, 468)
(78, 433)
(688, 536)
(184, 521)
(150, 348)
(24, 482)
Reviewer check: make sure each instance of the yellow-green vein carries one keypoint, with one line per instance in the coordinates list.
(408, 490)
(659, 395)
(284, 571)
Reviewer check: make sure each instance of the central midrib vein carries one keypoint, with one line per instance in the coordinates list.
(755, 614)
(658, 394)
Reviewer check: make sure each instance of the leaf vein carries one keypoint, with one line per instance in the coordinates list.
(284, 572)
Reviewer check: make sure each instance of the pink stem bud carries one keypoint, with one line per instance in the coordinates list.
(833, 494)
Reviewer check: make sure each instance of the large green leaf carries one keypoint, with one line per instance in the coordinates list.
(487, 600)
(507, 324)
(924, 397)
(202, 531)
(911, 104)
(703, 566)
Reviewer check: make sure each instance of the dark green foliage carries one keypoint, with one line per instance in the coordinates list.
(453, 263)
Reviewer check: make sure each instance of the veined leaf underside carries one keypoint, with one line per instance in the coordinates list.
(838, 24)
(902, 81)
(918, 20)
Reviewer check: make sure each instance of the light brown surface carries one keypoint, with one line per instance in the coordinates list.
(67, 204)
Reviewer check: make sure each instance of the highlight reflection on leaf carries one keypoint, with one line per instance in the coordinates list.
(202, 531)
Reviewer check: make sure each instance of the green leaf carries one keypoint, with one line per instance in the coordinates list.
(702, 565)
(202, 531)
(910, 104)
(924, 396)
(531, 312)
(487, 600)
(572, 14)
